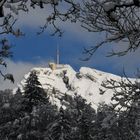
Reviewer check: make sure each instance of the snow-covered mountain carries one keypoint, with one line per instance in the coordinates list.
(65, 80)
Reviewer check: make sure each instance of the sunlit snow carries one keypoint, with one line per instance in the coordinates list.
(86, 83)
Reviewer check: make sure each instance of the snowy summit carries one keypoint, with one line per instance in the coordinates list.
(65, 80)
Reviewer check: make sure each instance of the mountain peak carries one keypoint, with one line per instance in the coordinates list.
(65, 80)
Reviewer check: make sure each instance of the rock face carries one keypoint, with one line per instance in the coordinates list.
(65, 80)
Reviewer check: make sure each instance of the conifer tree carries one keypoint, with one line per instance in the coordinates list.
(60, 129)
(33, 92)
(81, 116)
(105, 125)
(29, 103)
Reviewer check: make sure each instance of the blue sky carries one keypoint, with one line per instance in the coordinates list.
(33, 50)
(36, 48)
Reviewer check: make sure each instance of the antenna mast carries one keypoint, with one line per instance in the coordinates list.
(58, 55)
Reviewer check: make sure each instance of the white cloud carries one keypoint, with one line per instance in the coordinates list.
(33, 19)
(36, 18)
(18, 69)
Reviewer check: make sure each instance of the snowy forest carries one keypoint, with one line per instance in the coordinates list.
(29, 114)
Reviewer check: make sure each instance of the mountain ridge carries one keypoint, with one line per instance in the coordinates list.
(65, 80)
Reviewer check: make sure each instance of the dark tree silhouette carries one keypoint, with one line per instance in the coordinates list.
(126, 103)
(33, 92)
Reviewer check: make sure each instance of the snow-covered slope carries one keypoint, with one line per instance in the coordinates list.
(64, 80)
